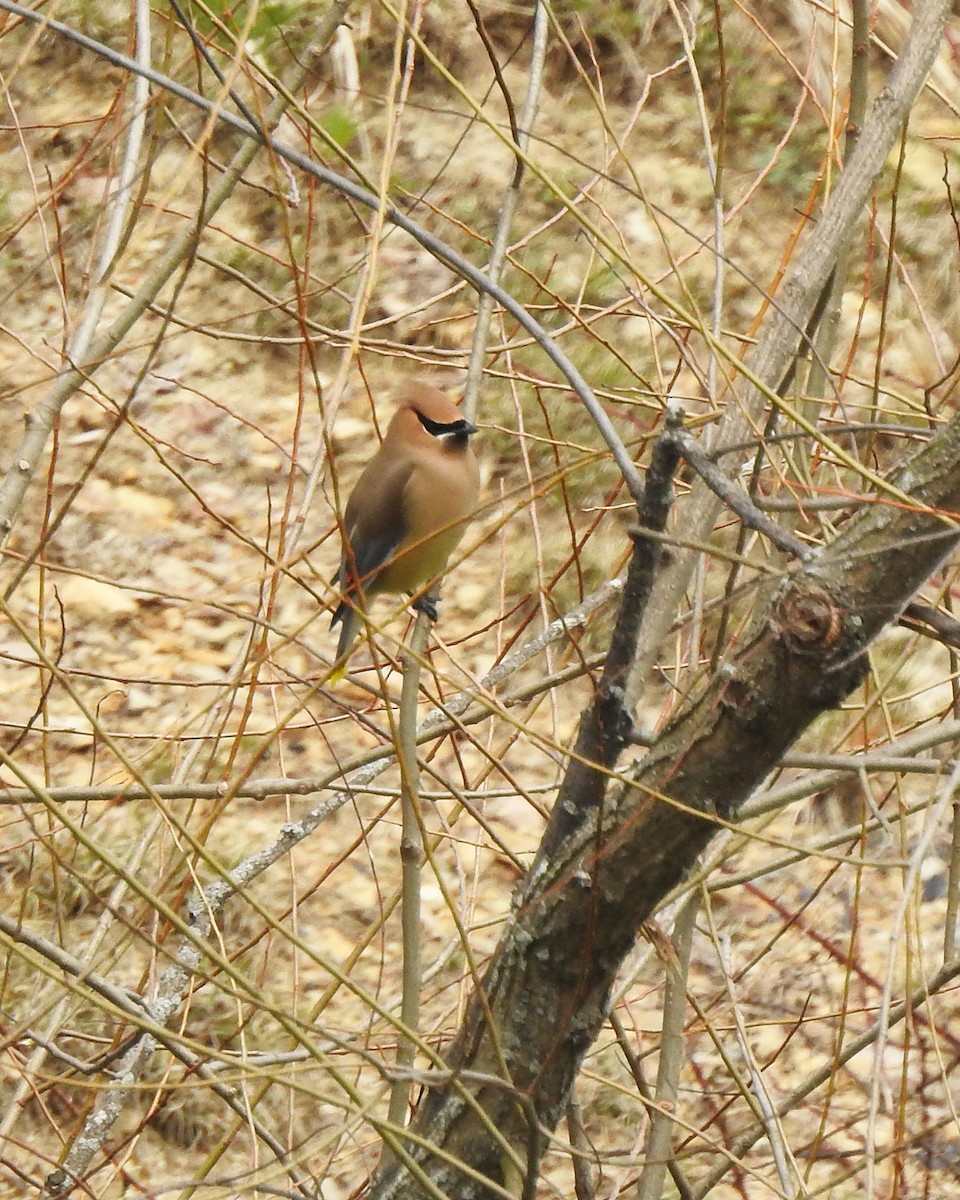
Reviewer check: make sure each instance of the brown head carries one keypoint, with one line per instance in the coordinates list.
(426, 416)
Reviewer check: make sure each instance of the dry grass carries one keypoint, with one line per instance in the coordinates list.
(169, 613)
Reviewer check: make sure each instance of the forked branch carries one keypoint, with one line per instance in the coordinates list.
(611, 855)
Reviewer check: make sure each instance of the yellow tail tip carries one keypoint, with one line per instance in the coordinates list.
(337, 674)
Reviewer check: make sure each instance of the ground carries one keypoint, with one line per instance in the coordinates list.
(167, 587)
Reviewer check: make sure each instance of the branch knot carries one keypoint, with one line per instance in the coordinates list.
(810, 619)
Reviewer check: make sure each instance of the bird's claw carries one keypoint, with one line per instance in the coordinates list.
(426, 605)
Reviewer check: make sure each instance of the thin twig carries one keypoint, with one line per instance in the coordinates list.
(582, 1151)
(953, 887)
(767, 364)
(434, 245)
(932, 827)
(411, 848)
(521, 134)
(932, 623)
(635, 1066)
(118, 205)
(735, 497)
(658, 1152)
(745, 1141)
(905, 747)
(262, 789)
(782, 1157)
(411, 860)
(88, 353)
(151, 1023)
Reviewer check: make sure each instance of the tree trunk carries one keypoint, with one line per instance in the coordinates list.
(603, 869)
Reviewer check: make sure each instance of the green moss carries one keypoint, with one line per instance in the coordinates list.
(338, 125)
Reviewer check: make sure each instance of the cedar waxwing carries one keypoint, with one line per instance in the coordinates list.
(409, 508)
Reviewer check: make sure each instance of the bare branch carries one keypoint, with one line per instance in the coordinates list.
(612, 860)
(807, 277)
(439, 249)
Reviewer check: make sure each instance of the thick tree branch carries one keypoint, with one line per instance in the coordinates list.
(577, 913)
(795, 301)
(606, 726)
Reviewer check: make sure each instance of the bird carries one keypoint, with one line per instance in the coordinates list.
(408, 510)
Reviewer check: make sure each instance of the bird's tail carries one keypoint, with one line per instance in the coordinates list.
(348, 619)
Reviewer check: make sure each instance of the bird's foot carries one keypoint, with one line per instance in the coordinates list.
(426, 605)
